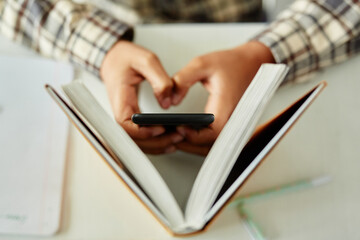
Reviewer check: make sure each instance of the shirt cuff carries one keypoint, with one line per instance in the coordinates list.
(93, 37)
(290, 45)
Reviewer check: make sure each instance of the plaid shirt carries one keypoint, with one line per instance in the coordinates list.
(313, 34)
(308, 36)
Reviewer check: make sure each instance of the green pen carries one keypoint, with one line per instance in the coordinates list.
(253, 229)
(299, 185)
(251, 226)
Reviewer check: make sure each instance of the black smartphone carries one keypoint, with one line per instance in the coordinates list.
(195, 120)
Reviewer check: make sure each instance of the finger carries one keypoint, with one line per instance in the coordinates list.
(124, 101)
(157, 151)
(219, 104)
(193, 72)
(163, 141)
(222, 106)
(140, 132)
(125, 104)
(152, 69)
(205, 136)
(190, 148)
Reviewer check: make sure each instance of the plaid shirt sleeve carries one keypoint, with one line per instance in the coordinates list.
(313, 34)
(62, 29)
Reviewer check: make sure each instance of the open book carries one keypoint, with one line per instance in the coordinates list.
(234, 156)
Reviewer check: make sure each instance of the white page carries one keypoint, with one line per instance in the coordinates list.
(175, 166)
(33, 134)
(262, 154)
(231, 140)
(131, 156)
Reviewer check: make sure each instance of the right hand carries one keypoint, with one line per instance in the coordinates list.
(124, 67)
(225, 75)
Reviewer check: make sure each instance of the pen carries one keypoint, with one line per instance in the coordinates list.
(299, 185)
(251, 226)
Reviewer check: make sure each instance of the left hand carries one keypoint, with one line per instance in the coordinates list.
(225, 75)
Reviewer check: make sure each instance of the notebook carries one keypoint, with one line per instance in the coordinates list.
(33, 135)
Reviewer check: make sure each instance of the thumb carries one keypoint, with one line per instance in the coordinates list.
(222, 106)
(193, 72)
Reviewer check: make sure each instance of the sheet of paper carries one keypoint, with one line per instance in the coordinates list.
(33, 135)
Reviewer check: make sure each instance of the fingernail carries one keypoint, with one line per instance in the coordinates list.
(176, 99)
(181, 130)
(158, 131)
(170, 149)
(166, 102)
(176, 78)
(177, 138)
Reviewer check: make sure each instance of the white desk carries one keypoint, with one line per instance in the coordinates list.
(326, 140)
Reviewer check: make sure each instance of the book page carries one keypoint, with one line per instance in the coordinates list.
(261, 143)
(122, 172)
(33, 136)
(178, 169)
(231, 140)
(120, 144)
